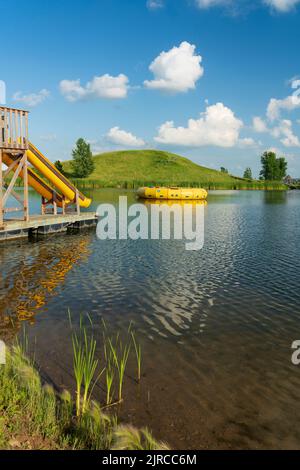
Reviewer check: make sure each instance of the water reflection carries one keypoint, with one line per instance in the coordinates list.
(275, 197)
(28, 281)
(215, 325)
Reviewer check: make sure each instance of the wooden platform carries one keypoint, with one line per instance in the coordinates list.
(44, 224)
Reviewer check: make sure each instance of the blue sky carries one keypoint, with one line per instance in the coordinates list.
(213, 80)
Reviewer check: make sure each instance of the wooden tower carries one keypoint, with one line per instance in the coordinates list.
(14, 142)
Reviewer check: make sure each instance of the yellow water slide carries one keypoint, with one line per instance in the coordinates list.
(60, 183)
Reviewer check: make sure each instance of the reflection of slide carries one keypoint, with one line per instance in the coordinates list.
(49, 171)
(36, 277)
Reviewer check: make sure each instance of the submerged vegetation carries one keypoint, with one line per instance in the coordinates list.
(34, 416)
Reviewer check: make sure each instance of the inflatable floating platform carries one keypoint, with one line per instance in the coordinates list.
(159, 192)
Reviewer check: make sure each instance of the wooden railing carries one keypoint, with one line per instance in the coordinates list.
(13, 129)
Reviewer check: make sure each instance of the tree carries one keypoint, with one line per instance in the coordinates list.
(273, 168)
(282, 168)
(224, 170)
(248, 173)
(82, 163)
(58, 165)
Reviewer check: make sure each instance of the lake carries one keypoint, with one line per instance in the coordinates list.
(215, 325)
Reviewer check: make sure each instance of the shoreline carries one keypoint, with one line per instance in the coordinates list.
(211, 186)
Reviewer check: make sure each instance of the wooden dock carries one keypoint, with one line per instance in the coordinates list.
(46, 224)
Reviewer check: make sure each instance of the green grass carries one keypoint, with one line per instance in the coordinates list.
(134, 168)
(33, 416)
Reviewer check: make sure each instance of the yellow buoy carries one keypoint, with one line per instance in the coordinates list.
(159, 192)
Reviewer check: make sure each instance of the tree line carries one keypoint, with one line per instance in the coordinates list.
(273, 168)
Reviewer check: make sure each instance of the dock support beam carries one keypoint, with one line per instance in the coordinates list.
(25, 179)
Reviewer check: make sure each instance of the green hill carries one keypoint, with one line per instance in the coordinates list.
(133, 168)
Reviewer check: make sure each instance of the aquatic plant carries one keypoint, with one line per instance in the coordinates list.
(84, 365)
(120, 355)
(78, 367)
(90, 366)
(138, 355)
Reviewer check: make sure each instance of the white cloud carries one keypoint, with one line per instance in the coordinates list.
(176, 70)
(216, 126)
(212, 3)
(275, 106)
(285, 131)
(32, 99)
(259, 125)
(282, 6)
(104, 86)
(155, 4)
(119, 137)
(247, 142)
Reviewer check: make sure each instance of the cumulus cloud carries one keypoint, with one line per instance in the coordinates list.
(282, 6)
(275, 106)
(283, 131)
(259, 125)
(105, 86)
(120, 137)
(32, 99)
(154, 4)
(176, 70)
(216, 126)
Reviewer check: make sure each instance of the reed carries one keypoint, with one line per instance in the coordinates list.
(109, 369)
(109, 383)
(84, 365)
(90, 366)
(120, 354)
(234, 183)
(78, 367)
(138, 355)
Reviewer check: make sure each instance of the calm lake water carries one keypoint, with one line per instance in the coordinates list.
(215, 325)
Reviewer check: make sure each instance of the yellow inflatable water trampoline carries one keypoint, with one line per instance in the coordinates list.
(158, 192)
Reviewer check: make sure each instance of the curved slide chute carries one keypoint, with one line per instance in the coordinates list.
(60, 183)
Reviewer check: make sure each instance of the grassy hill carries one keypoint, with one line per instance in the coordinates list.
(133, 168)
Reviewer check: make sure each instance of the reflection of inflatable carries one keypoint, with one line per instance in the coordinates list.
(172, 202)
(36, 281)
(172, 193)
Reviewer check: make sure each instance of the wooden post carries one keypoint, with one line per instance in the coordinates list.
(1, 192)
(54, 203)
(25, 179)
(43, 206)
(63, 205)
(77, 202)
